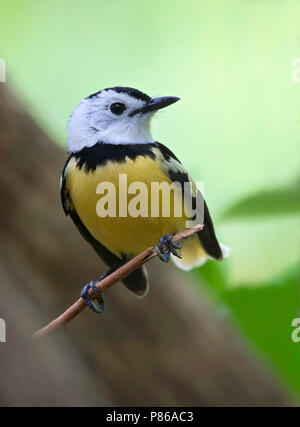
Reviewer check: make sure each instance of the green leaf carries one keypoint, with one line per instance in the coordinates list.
(281, 201)
(265, 315)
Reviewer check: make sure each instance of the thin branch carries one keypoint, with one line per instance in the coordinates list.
(109, 281)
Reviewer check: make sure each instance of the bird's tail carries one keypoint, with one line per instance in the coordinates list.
(138, 282)
(193, 254)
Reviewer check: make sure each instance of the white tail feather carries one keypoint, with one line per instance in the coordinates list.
(225, 250)
(189, 262)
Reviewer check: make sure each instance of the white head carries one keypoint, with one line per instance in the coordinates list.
(118, 115)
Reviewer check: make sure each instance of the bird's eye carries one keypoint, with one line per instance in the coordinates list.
(117, 108)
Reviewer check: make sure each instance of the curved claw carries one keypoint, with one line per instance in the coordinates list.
(96, 308)
(173, 249)
(177, 245)
(165, 257)
(165, 247)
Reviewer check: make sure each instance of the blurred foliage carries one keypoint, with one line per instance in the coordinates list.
(280, 201)
(264, 315)
(237, 127)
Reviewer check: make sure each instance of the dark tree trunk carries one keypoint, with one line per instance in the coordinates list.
(172, 348)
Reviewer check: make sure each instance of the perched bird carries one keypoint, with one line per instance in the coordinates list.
(109, 136)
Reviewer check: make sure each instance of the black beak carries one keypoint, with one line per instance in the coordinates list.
(155, 104)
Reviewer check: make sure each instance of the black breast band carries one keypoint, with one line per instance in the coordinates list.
(99, 154)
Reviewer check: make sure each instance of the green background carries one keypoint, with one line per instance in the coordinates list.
(236, 127)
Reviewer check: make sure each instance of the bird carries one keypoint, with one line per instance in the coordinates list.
(109, 136)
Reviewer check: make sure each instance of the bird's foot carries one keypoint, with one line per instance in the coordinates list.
(166, 247)
(96, 305)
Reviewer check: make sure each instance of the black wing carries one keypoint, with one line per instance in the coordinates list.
(178, 173)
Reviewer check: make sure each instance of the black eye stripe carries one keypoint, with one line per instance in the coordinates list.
(117, 108)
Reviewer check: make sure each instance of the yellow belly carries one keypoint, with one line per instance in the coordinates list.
(122, 235)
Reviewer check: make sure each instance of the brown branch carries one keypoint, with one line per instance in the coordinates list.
(109, 281)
